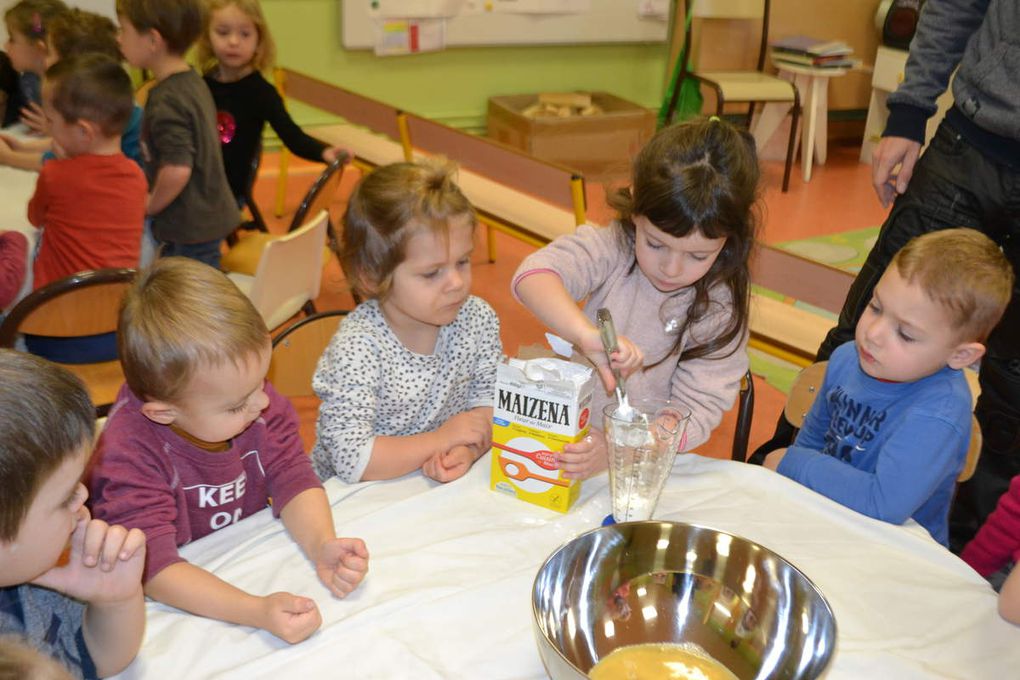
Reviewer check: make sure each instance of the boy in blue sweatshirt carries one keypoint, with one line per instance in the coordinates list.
(888, 434)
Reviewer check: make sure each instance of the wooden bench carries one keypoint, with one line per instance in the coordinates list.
(527, 198)
(530, 199)
(370, 130)
(778, 327)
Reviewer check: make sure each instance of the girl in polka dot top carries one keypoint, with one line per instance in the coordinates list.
(408, 379)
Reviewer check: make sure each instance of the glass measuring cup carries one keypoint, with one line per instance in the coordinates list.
(641, 452)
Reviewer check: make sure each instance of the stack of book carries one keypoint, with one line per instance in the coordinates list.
(804, 50)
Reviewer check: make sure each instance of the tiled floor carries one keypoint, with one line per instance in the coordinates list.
(838, 198)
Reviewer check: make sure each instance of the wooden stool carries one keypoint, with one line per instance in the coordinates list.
(813, 84)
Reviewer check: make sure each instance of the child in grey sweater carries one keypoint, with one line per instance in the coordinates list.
(672, 270)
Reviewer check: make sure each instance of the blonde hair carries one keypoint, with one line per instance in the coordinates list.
(31, 18)
(964, 272)
(386, 209)
(265, 52)
(179, 316)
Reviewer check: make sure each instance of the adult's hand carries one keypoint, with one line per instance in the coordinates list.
(890, 153)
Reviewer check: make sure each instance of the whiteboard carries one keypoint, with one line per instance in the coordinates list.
(608, 21)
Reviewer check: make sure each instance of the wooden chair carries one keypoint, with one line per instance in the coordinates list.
(809, 382)
(743, 86)
(530, 199)
(745, 412)
(296, 352)
(244, 256)
(289, 273)
(86, 303)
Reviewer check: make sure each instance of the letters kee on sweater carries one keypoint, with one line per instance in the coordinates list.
(149, 477)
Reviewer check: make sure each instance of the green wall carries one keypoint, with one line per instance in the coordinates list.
(453, 86)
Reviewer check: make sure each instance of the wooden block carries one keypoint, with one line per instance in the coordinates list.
(575, 99)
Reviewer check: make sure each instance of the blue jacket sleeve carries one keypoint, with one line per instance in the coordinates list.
(914, 460)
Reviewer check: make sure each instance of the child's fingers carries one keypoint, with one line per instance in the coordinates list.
(580, 447)
(440, 475)
(92, 543)
(113, 543)
(356, 547)
(345, 580)
(296, 604)
(575, 464)
(133, 543)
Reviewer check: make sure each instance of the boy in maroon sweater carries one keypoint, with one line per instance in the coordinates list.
(198, 440)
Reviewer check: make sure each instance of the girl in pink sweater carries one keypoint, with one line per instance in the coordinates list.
(672, 270)
(997, 545)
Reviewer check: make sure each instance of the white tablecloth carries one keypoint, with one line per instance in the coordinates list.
(449, 585)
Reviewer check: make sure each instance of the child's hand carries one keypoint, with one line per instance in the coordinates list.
(451, 465)
(290, 617)
(104, 566)
(9, 143)
(583, 459)
(332, 153)
(35, 119)
(628, 358)
(58, 150)
(469, 428)
(773, 459)
(342, 564)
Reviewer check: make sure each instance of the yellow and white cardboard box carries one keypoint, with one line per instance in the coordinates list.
(541, 405)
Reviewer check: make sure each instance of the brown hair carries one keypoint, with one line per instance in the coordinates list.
(179, 22)
(78, 31)
(21, 661)
(178, 316)
(700, 176)
(965, 273)
(31, 18)
(47, 418)
(385, 209)
(265, 52)
(93, 87)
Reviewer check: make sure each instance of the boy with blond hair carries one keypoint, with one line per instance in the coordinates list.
(190, 203)
(198, 440)
(889, 431)
(85, 611)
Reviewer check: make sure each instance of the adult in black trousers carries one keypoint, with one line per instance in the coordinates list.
(969, 176)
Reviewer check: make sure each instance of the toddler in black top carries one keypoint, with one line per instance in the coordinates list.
(235, 48)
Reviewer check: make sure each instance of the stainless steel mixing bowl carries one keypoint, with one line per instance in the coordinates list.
(645, 582)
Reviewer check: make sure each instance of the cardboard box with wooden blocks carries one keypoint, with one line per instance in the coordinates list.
(596, 133)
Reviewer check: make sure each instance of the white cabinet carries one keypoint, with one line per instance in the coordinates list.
(889, 67)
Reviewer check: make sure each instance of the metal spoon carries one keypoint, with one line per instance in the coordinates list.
(607, 332)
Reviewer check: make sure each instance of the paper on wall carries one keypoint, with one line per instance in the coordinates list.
(654, 9)
(401, 9)
(539, 6)
(408, 36)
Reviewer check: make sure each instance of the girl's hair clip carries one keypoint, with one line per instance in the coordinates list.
(37, 27)
(713, 119)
